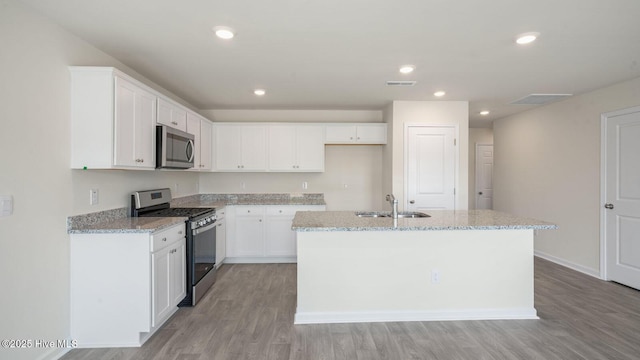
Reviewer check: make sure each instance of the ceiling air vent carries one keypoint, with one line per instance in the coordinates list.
(401, 83)
(539, 99)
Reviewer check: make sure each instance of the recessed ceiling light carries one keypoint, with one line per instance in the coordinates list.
(484, 112)
(527, 38)
(407, 69)
(259, 92)
(439, 93)
(224, 32)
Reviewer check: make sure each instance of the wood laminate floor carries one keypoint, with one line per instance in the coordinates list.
(248, 314)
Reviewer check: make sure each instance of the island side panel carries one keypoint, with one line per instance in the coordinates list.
(366, 276)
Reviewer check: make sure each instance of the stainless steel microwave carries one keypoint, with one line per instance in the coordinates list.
(174, 148)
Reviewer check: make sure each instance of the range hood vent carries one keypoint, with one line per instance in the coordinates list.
(401, 83)
(539, 99)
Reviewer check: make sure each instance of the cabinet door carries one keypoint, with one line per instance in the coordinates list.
(372, 134)
(310, 148)
(160, 269)
(253, 148)
(205, 144)
(249, 234)
(178, 268)
(134, 123)
(340, 134)
(171, 115)
(227, 147)
(282, 148)
(280, 239)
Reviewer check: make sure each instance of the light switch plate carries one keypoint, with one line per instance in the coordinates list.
(6, 205)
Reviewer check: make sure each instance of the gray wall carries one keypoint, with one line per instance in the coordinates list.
(547, 166)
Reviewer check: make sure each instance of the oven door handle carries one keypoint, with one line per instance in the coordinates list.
(203, 229)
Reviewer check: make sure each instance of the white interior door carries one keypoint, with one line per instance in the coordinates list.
(431, 164)
(484, 176)
(622, 197)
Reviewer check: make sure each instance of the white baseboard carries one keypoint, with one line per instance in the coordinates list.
(434, 315)
(568, 264)
(260, 260)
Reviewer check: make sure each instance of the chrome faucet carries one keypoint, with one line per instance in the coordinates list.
(394, 203)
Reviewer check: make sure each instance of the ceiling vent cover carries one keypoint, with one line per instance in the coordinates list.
(539, 99)
(401, 83)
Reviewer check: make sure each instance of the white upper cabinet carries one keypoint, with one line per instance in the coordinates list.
(240, 147)
(201, 129)
(112, 120)
(171, 115)
(134, 125)
(356, 133)
(296, 148)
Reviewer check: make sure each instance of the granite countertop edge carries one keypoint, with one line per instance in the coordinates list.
(117, 220)
(424, 228)
(438, 220)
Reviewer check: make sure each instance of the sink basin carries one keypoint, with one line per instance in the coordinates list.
(373, 214)
(387, 214)
(412, 214)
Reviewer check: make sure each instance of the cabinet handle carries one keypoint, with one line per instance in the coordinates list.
(351, 138)
(180, 232)
(280, 211)
(358, 137)
(260, 220)
(174, 123)
(164, 239)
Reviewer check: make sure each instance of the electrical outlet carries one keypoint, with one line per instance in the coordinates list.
(93, 197)
(435, 276)
(305, 185)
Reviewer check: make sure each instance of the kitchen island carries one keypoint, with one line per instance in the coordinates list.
(453, 265)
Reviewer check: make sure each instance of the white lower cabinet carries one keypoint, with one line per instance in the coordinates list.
(124, 286)
(262, 234)
(221, 236)
(169, 279)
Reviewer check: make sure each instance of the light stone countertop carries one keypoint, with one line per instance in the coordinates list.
(130, 225)
(118, 220)
(439, 220)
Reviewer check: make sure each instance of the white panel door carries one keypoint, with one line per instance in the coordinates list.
(622, 196)
(431, 164)
(484, 176)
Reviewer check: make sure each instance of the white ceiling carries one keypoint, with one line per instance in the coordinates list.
(338, 54)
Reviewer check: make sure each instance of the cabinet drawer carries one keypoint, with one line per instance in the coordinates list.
(249, 210)
(220, 213)
(282, 210)
(167, 237)
(292, 209)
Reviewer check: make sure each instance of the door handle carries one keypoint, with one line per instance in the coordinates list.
(412, 202)
(608, 206)
(480, 193)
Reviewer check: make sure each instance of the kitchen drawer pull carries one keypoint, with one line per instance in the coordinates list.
(164, 239)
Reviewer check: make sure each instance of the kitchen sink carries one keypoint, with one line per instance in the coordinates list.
(373, 214)
(412, 214)
(387, 214)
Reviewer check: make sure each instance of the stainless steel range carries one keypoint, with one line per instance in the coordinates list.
(201, 237)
